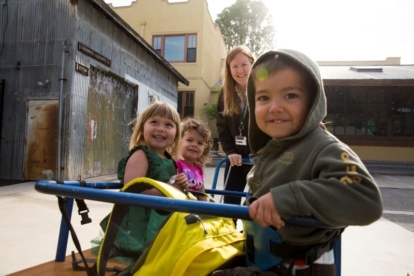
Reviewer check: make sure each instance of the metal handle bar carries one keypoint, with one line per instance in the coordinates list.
(95, 184)
(163, 203)
(217, 170)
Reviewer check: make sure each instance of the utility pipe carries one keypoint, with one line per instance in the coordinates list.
(59, 144)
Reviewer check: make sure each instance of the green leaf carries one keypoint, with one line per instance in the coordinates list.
(209, 111)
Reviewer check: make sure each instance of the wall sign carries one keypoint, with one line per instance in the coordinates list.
(82, 69)
(89, 52)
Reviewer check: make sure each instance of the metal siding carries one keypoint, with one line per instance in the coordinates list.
(109, 112)
(13, 126)
(35, 34)
(14, 129)
(126, 57)
(25, 42)
(75, 142)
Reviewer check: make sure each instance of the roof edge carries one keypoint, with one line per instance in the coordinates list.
(118, 21)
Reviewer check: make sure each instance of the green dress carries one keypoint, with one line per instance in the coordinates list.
(140, 225)
(160, 169)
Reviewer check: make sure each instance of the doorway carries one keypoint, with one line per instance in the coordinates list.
(41, 139)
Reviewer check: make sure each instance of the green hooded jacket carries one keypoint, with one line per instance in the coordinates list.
(311, 173)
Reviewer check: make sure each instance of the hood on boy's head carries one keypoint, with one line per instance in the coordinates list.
(257, 138)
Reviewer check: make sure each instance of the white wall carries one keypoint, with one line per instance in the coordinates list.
(145, 93)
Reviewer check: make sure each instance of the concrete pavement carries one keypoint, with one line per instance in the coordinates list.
(31, 220)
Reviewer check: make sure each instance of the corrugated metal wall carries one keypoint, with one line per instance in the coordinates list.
(34, 34)
(30, 52)
(110, 109)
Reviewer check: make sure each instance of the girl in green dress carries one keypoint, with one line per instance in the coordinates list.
(156, 137)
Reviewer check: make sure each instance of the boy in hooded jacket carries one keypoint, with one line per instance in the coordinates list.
(300, 168)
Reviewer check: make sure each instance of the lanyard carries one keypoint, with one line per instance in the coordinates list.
(242, 115)
(244, 111)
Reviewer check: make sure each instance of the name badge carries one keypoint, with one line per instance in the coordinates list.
(241, 140)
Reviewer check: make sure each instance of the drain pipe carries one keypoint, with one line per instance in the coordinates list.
(59, 142)
(64, 228)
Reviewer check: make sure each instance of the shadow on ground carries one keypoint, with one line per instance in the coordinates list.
(7, 182)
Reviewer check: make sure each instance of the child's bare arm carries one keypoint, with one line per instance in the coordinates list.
(137, 166)
(180, 181)
(203, 190)
(264, 212)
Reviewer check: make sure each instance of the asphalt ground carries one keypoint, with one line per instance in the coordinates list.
(30, 225)
(399, 206)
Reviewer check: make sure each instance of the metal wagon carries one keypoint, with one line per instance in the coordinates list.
(101, 191)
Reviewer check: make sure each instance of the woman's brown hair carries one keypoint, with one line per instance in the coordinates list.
(230, 94)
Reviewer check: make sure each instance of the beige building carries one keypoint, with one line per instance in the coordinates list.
(186, 36)
(371, 108)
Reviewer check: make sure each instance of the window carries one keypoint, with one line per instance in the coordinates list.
(152, 98)
(157, 44)
(185, 104)
(370, 111)
(176, 48)
(191, 49)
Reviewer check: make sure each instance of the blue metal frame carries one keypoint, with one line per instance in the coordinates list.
(300, 221)
(159, 202)
(64, 229)
(64, 234)
(217, 170)
(96, 191)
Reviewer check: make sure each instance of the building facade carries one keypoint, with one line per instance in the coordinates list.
(73, 76)
(185, 34)
(371, 108)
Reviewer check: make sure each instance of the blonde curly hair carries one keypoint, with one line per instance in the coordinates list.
(204, 131)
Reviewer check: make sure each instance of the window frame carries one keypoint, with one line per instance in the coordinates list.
(375, 100)
(190, 44)
(182, 103)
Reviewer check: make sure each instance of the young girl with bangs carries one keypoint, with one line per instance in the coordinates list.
(156, 137)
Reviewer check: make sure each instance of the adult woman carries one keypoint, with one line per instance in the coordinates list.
(233, 118)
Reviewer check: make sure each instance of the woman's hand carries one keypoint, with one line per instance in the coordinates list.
(180, 181)
(235, 159)
(264, 212)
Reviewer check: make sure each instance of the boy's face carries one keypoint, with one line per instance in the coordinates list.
(282, 103)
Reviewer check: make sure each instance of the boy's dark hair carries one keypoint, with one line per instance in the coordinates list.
(269, 66)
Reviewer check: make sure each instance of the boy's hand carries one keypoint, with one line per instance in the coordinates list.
(264, 212)
(181, 181)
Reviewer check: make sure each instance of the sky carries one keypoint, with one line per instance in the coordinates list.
(338, 29)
